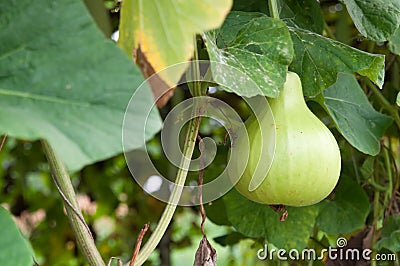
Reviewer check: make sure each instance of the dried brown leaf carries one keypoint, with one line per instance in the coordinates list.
(206, 255)
(161, 91)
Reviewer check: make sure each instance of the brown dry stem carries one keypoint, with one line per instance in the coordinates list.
(139, 243)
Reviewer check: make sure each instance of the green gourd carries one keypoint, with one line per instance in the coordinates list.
(306, 164)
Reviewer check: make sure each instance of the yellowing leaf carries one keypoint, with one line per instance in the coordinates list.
(164, 30)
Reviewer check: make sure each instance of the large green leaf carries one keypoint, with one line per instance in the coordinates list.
(164, 30)
(260, 221)
(15, 250)
(390, 237)
(347, 211)
(398, 99)
(318, 60)
(254, 44)
(63, 81)
(375, 19)
(394, 42)
(354, 116)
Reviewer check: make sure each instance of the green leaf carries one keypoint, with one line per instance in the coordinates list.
(254, 44)
(305, 14)
(258, 220)
(394, 42)
(390, 236)
(354, 116)
(165, 30)
(15, 250)
(318, 60)
(62, 80)
(377, 19)
(347, 211)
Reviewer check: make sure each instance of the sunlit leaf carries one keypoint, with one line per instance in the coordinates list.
(164, 30)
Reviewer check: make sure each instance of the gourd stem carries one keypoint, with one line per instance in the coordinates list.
(273, 9)
(190, 141)
(81, 230)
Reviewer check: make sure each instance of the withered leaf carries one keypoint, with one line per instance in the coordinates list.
(206, 255)
(161, 91)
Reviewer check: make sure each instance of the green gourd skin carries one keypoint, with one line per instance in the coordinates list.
(306, 164)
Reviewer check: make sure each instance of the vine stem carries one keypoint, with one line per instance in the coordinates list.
(201, 179)
(81, 230)
(385, 103)
(190, 141)
(273, 8)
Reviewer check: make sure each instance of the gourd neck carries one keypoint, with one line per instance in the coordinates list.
(292, 94)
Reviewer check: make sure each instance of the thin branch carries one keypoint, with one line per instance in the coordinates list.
(139, 243)
(3, 141)
(80, 228)
(201, 179)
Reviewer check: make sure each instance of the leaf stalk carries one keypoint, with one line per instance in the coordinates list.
(273, 9)
(81, 230)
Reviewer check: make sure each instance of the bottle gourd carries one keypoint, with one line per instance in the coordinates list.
(306, 164)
